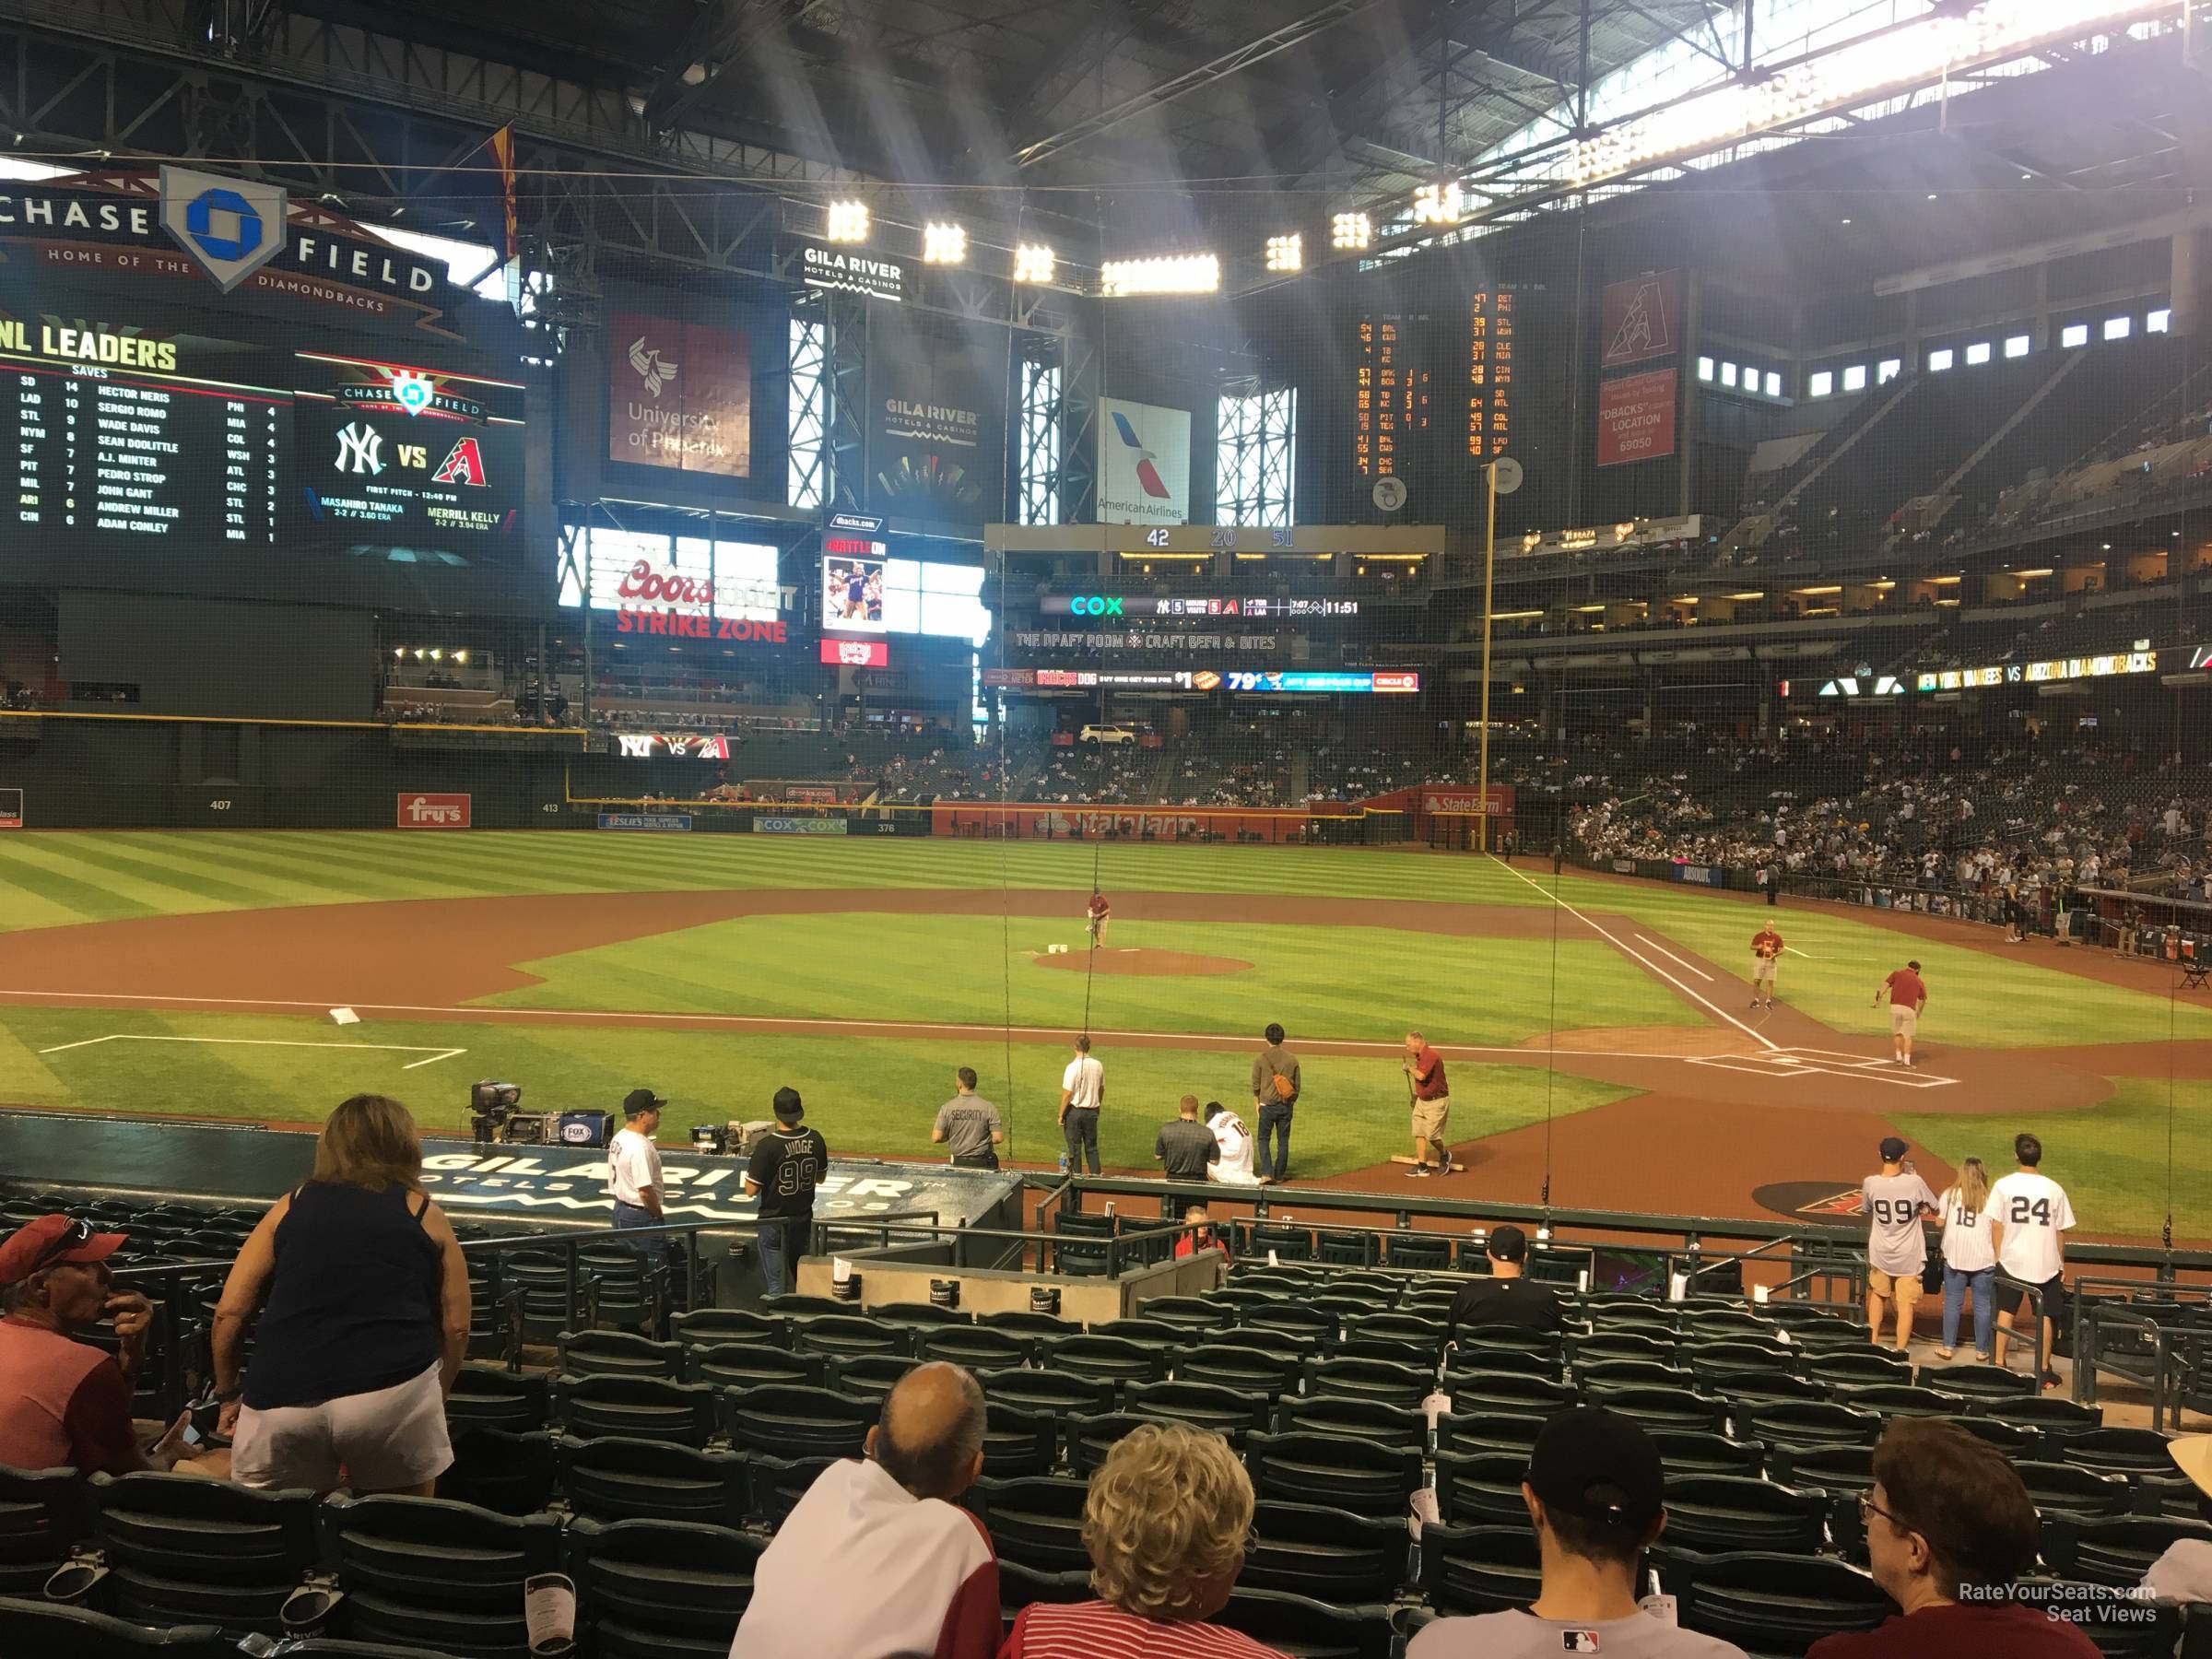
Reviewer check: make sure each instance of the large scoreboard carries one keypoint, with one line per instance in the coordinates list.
(129, 440)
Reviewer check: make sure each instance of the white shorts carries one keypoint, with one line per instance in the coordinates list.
(1902, 1021)
(376, 1441)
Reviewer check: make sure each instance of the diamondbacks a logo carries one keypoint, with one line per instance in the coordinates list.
(1147, 475)
(360, 449)
(1639, 317)
(654, 369)
(1824, 1201)
(464, 465)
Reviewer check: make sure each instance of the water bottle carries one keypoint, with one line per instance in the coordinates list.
(1063, 1163)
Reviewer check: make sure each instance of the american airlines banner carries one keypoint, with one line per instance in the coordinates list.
(1144, 464)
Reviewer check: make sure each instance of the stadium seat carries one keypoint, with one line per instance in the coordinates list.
(1022, 1323)
(1299, 1628)
(1109, 1359)
(1150, 1333)
(635, 1408)
(1344, 1247)
(1284, 1344)
(1251, 1371)
(1479, 1569)
(710, 1328)
(1496, 1391)
(920, 1316)
(1226, 1411)
(1678, 1408)
(2135, 1454)
(1979, 1381)
(1471, 1432)
(1806, 1423)
(1477, 1342)
(1352, 1378)
(797, 1310)
(2057, 1421)
(749, 1364)
(2059, 1489)
(1716, 1513)
(2121, 1625)
(429, 1573)
(1415, 1330)
(1080, 1244)
(2015, 1441)
(501, 1469)
(868, 1376)
(1772, 1604)
(1398, 1426)
(1018, 1443)
(1481, 1489)
(550, 1304)
(785, 1421)
(1863, 1367)
(1048, 1390)
(1598, 1374)
(491, 1396)
(43, 1515)
(977, 1348)
(1491, 1361)
(1193, 1314)
(618, 1353)
(1038, 1522)
(2116, 1550)
(615, 1479)
(1900, 1399)
(780, 1482)
(1767, 1387)
(1285, 1243)
(656, 1589)
(1694, 1451)
(1293, 1319)
(843, 1336)
(35, 1628)
(182, 1550)
(1334, 1472)
(1418, 1251)
(1019, 1584)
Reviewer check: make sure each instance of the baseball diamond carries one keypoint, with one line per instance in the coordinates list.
(723, 969)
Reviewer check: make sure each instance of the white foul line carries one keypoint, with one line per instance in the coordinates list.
(435, 1055)
(1807, 954)
(742, 1022)
(1677, 961)
(1630, 950)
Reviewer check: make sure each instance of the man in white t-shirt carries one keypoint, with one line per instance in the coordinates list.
(1233, 1168)
(2028, 1218)
(1082, 1091)
(633, 1171)
(1596, 1496)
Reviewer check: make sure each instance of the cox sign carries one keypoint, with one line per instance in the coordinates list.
(1095, 604)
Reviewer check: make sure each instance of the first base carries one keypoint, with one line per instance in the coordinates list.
(344, 1017)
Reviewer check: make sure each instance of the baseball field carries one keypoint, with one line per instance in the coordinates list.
(1596, 1030)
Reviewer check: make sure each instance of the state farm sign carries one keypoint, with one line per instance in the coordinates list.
(1500, 803)
(433, 811)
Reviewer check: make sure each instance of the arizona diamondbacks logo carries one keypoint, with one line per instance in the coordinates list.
(360, 449)
(653, 368)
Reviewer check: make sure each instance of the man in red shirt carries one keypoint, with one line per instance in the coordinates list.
(1095, 918)
(64, 1404)
(1950, 1531)
(1424, 1069)
(1766, 963)
(1908, 996)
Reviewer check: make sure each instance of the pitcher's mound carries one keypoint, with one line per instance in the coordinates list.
(1080, 960)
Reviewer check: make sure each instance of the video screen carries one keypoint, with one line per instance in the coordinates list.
(852, 593)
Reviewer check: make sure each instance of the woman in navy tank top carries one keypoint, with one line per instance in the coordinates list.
(364, 1309)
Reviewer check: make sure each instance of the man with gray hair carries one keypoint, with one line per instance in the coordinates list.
(878, 1560)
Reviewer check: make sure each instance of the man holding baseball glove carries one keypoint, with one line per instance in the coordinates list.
(1094, 918)
(1766, 959)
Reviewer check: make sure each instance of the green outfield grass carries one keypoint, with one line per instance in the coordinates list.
(2111, 1157)
(873, 1096)
(876, 1095)
(1342, 983)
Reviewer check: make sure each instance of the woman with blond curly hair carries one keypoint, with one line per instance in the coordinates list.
(1167, 1525)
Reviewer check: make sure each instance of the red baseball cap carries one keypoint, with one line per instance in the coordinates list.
(40, 1244)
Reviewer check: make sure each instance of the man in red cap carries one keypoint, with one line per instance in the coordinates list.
(64, 1404)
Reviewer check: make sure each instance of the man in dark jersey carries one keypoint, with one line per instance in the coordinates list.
(786, 1167)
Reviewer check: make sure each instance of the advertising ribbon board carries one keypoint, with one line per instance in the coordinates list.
(665, 822)
(798, 826)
